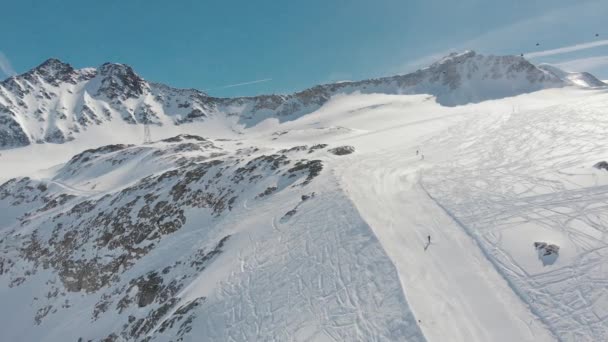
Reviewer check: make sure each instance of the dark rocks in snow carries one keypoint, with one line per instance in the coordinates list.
(342, 150)
(269, 190)
(202, 258)
(278, 134)
(92, 245)
(119, 81)
(148, 289)
(93, 153)
(144, 325)
(194, 114)
(603, 165)
(59, 200)
(293, 211)
(23, 190)
(182, 137)
(317, 147)
(5, 264)
(289, 214)
(294, 149)
(11, 133)
(54, 72)
(307, 197)
(313, 167)
(185, 313)
(547, 248)
(547, 253)
(87, 115)
(56, 136)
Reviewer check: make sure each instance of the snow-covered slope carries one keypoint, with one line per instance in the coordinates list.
(192, 239)
(582, 79)
(53, 102)
(316, 227)
(56, 103)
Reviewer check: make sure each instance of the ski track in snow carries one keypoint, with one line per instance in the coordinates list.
(328, 284)
(76, 191)
(530, 179)
(451, 287)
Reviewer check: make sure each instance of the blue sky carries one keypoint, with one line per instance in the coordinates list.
(282, 46)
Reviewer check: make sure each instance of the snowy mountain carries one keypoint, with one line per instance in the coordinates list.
(406, 208)
(583, 79)
(55, 103)
(129, 243)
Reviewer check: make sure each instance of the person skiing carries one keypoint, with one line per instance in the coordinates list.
(429, 237)
(417, 152)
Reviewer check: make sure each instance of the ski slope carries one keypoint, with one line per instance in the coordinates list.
(529, 176)
(489, 186)
(449, 283)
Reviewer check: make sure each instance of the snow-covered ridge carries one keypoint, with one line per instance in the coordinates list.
(55, 102)
(582, 79)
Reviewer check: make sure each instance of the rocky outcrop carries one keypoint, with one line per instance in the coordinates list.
(342, 150)
(603, 165)
(96, 245)
(547, 253)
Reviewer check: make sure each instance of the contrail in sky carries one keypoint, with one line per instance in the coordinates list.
(565, 49)
(241, 84)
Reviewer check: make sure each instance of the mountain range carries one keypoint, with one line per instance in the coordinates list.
(55, 103)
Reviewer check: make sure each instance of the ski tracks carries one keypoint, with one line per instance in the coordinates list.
(452, 288)
(318, 276)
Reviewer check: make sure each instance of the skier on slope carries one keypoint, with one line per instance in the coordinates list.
(429, 237)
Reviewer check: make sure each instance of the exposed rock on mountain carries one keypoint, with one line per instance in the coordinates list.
(95, 242)
(603, 165)
(547, 253)
(342, 150)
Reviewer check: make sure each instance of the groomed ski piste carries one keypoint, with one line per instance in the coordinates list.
(354, 262)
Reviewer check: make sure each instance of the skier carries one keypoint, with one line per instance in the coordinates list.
(429, 237)
(417, 152)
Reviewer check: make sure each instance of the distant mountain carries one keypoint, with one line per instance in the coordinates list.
(54, 102)
(583, 79)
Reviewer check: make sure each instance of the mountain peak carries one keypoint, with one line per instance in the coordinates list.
(53, 70)
(119, 80)
(52, 63)
(455, 57)
(109, 69)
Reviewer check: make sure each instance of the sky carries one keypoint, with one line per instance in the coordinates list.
(243, 48)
